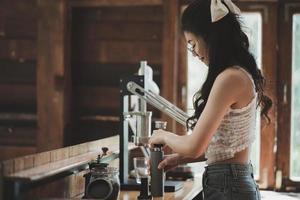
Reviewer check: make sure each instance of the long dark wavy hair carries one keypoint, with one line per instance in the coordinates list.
(227, 46)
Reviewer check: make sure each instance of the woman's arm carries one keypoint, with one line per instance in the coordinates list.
(227, 89)
(173, 160)
(185, 159)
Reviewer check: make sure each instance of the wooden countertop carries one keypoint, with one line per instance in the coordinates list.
(190, 189)
(54, 167)
(67, 158)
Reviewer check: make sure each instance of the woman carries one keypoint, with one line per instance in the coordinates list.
(223, 125)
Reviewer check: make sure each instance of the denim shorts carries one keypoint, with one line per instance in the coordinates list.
(230, 182)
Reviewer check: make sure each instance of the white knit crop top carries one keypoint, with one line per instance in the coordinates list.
(235, 133)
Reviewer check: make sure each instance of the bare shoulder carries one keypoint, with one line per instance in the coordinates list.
(235, 83)
(233, 78)
(228, 90)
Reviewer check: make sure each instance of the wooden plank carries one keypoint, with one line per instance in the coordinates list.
(116, 30)
(8, 167)
(22, 117)
(85, 131)
(53, 75)
(17, 97)
(93, 101)
(23, 163)
(19, 164)
(26, 9)
(14, 134)
(117, 51)
(97, 3)
(170, 55)
(76, 185)
(20, 25)
(18, 19)
(107, 74)
(98, 98)
(41, 159)
(63, 188)
(20, 50)
(18, 28)
(9, 152)
(123, 14)
(78, 149)
(13, 71)
(59, 154)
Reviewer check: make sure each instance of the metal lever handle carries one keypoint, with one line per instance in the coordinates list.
(159, 102)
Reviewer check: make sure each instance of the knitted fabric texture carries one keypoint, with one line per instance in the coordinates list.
(235, 133)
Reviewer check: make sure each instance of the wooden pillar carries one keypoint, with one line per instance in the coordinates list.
(284, 92)
(170, 55)
(53, 75)
(269, 69)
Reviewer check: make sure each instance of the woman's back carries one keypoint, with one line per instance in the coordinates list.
(233, 138)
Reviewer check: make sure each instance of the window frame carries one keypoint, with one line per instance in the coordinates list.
(268, 11)
(287, 10)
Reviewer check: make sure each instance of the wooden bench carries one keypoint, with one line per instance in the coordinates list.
(23, 174)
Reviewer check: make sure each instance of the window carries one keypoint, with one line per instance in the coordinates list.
(295, 111)
(197, 72)
(252, 22)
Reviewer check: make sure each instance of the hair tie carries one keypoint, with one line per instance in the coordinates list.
(219, 10)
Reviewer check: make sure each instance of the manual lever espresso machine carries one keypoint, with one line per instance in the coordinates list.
(135, 120)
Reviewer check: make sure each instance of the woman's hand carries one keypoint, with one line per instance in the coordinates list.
(159, 137)
(170, 161)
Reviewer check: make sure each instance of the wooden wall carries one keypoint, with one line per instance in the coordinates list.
(18, 41)
(108, 43)
(61, 62)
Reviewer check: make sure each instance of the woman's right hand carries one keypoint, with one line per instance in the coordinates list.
(170, 161)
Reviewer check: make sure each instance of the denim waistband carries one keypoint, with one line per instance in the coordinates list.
(233, 169)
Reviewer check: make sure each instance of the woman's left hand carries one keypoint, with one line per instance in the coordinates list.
(159, 137)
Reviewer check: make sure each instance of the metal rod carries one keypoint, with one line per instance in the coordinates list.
(158, 102)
